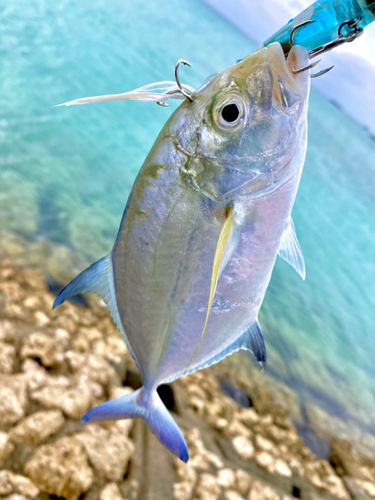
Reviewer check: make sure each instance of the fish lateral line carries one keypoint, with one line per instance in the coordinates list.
(220, 260)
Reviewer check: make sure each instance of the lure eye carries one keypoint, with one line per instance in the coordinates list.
(229, 113)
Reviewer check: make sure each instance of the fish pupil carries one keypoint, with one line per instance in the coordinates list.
(230, 113)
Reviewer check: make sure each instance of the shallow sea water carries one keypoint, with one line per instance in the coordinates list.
(65, 173)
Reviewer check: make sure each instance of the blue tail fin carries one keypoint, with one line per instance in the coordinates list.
(149, 406)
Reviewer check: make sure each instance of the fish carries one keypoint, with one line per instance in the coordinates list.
(208, 214)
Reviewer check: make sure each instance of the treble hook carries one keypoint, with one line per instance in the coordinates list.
(310, 66)
(182, 90)
(305, 23)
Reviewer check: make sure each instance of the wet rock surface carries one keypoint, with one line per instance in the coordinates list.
(55, 365)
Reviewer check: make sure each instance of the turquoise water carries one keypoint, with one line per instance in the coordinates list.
(65, 173)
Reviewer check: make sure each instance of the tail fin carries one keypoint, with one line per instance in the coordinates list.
(149, 406)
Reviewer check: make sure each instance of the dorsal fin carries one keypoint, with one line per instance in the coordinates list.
(290, 249)
(224, 250)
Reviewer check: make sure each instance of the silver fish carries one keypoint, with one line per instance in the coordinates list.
(205, 220)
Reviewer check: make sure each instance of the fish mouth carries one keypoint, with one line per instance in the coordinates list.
(285, 68)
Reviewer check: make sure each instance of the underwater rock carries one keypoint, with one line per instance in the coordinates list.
(18, 203)
(61, 469)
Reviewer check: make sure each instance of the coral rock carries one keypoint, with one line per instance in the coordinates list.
(7, 331)
(226, 478)
(6, 447)
(244, 481)
(244, 447)
(110, 492)
(182, 491)
(7, 357)
(208, 488)
(61, 469)
(13, 398)
(14, 483)
(37, 427)
(260, 491)
(233, 495)
(73, 402)
(40, 346)
(109, 452)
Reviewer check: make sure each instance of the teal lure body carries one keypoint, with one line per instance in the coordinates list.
(207, 216)
(332, 20)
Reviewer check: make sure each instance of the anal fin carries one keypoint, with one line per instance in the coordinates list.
(251, 340)
(290, 249)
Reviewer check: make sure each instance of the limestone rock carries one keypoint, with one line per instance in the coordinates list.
(15, 483)
(6, 447)
(109, 452)
(265, 445)
(61, 469)
(73, 402)
(37, 427)
(272, 464)
(233, 495)
(244, 481)
(244, 447)
(13, 398)
(40, 318)
(183, 491)
(15, 496)
(185, 472)
(110, 492)
(208, 488)
(7, 331)
(7, 357)
(260, 491)
(40, 346)
(226, 478)
(35, 375)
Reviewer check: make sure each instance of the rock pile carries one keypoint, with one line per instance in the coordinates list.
(55, 365)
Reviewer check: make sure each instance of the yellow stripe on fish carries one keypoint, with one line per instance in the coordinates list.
(219, 262)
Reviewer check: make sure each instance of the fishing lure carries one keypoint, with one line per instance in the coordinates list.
(324, 26)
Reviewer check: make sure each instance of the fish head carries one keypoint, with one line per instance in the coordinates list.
(249, 126)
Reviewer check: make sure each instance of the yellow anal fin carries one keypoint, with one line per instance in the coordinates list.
(220, 260)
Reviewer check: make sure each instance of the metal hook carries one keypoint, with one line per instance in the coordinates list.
(182, 90)
(292, 33)
(323, 72)
(305, 68)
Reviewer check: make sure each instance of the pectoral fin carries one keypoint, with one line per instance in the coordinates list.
(290, 249)
(98, 278)
(224, 250)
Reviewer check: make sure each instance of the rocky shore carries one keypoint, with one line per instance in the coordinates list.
(55, 365)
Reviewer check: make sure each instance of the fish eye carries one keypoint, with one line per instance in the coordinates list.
(229, 113)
